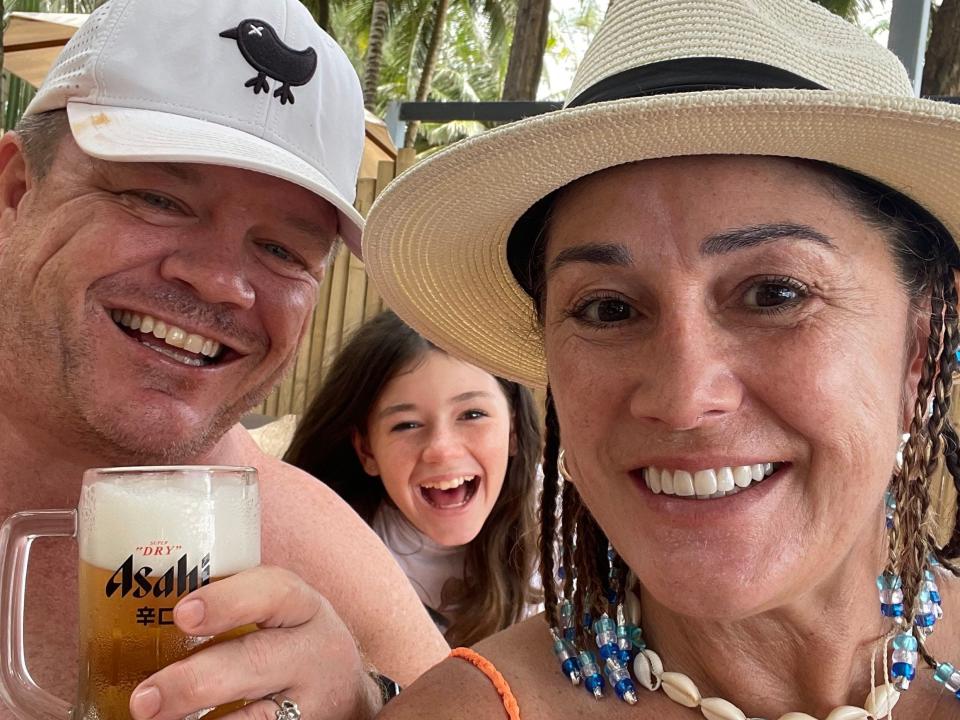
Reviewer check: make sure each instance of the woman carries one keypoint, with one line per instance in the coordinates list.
(734, 332)
(440, 458)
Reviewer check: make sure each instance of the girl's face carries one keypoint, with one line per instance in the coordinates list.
(439, 436)
(732, 358)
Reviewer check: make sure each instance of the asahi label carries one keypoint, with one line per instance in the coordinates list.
(155, 571)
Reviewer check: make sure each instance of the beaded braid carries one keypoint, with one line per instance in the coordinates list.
(951, 444)
(908, 537)
(548, 511)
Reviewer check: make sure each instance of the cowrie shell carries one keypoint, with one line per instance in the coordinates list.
(881, 700)
(680, 689)
(797, 716)
(847, 712)
(715, 708)
(647, 669)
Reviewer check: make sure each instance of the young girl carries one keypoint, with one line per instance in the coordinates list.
(441, 459)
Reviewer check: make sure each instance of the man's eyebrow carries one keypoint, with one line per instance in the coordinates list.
(180, 171)
(751, 235)
(598, 254)
(310, 228)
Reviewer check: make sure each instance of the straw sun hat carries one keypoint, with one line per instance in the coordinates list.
(663, 78)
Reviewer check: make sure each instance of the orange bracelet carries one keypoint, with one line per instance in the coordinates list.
(487, 668)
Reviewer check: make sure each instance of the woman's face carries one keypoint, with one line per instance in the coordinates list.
(706, 318)
(439, 437)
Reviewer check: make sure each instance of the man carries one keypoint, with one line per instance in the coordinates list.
(168, 208)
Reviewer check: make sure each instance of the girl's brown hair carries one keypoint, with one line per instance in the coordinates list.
(925, 256)
(501, 559)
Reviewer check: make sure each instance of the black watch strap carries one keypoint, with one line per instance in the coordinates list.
(389, 689)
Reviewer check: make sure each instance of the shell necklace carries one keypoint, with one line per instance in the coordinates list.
(622, 649)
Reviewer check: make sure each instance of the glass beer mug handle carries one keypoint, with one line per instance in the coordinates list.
(17, 689)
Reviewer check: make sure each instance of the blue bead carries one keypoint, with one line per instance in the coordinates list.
(892, 610)
(593, 682)
(935, 597)
(570, 665)
(623, 687)
(925, 620)
(904, 670)
(889, 581)
(608, 651)
(569, 634)
(623, 656)
(905, 642)
(943, 672)
(958, 695)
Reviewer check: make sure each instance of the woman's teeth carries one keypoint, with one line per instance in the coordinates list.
(170, 334)
(706, 484)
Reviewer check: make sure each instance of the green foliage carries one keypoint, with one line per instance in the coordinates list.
(17, 94)
(848, 9)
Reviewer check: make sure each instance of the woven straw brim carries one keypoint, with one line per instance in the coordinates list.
(435, 241)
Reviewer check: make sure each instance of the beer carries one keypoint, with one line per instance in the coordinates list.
(143, 546)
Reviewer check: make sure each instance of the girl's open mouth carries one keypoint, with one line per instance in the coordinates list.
(450, 494)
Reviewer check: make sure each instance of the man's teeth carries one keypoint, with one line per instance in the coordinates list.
(706, 484)
(449, 484)
(170, 334)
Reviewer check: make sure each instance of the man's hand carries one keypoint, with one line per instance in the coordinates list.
(303, 652)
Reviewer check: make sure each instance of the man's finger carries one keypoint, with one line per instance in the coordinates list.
(245, 668)
(266, 596)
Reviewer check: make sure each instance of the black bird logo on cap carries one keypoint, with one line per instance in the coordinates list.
(270, 57)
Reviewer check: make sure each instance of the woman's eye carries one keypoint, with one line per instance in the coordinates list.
(774, 294)
(604, 311)
(399, 427)
(473, 415)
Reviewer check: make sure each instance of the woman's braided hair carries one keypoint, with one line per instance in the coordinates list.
(925, 257)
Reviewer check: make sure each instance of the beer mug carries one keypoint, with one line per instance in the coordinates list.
(147, 536)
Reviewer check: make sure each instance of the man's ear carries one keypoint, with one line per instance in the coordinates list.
(366, 458)
(15, 177)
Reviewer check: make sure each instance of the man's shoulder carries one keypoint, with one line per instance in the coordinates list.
(289, 493)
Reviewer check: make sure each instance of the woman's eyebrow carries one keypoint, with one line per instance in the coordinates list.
(751, 235)
(598, 254)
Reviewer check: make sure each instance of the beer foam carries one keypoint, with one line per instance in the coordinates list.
(158, 520)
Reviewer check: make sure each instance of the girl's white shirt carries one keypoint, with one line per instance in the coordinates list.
(427, 564)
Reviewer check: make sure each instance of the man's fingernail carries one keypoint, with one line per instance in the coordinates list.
(145, 702)
(189, 613)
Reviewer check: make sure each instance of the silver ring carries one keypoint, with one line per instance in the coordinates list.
(286, 708)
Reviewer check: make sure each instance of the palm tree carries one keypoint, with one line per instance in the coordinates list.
(526, 51)
(429, 65)
(379, 16)
(941, 66)
(320, 9)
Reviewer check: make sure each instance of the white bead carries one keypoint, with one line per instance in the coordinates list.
(881, 700)
(647, 669)
(680, 689)
(719, 709)
(847, 712)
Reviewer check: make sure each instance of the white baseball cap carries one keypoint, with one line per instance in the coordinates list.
(252, 84)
